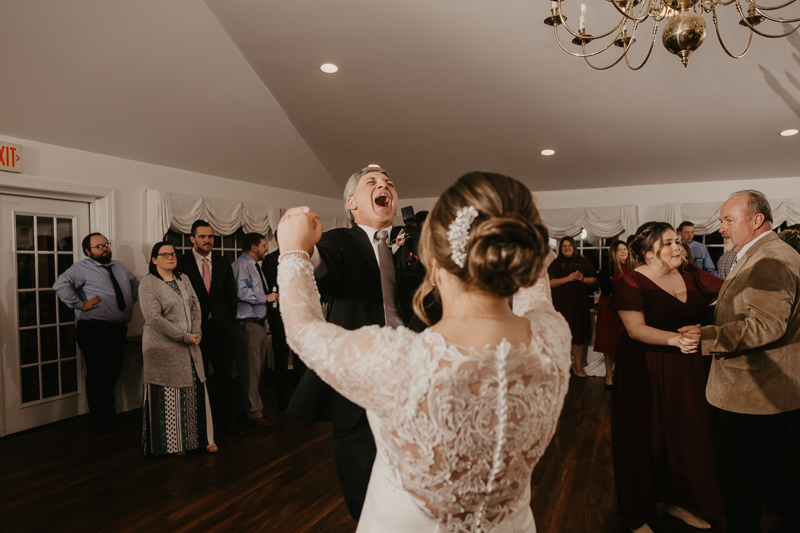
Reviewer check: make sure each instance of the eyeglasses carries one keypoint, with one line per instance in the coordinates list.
(167, 255)
(102, 246)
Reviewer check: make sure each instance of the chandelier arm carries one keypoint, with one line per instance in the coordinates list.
(624, 52)
(589, 37)
(776, 19)
(765, 8)
(606, 67)
(722, 43)
(635, 19)
(575, 54)
(652, 42)
(756, 30)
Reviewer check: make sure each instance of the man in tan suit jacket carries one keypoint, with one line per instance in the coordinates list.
(755, 372)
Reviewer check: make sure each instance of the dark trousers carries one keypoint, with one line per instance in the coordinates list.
(752, 460)
(217, 350)
(102, 345)
(353, 453)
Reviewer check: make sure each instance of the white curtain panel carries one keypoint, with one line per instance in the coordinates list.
(705, 216)
(179, 211)
(604, 222)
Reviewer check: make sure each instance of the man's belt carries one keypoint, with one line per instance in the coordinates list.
(259, 321)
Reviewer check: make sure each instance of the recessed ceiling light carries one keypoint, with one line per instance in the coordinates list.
(789, 133)
(374, 166)
(548, 152)
(329, 68)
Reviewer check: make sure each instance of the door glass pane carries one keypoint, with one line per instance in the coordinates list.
(68, 341)
(44, 233)
(47, 270)
(49, 343)
(27, 309)
(47, 307)
(30, 384)
(64, 231)
(64, 262)
(50, 380)
(24, 232)
(26, 271)
(28, 346)
(228, 241)
(69, 376)
(174, 238)
(594, 257)
(230, 255)
(65, 314)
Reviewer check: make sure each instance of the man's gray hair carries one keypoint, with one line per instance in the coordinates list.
(352, 184)
(757, 203)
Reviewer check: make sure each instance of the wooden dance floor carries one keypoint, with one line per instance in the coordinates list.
(61, 478)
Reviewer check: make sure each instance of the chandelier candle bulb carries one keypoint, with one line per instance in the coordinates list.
(554, 7)
(583, 17)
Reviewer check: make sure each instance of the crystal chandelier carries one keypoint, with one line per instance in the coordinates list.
(683, 33)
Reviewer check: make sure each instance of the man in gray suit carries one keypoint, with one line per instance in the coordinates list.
(755, 372)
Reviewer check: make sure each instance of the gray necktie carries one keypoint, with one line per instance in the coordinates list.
(386, 264)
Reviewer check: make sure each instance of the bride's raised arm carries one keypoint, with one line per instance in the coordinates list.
(373, 367)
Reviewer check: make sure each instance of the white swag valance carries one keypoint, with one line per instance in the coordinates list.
(705, 216)
(179, 211)
(604, 222)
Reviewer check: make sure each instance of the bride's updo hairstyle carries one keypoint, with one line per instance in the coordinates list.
(648, 237)
(507, 241)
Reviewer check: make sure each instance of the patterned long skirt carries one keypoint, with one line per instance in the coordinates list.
(176, 419)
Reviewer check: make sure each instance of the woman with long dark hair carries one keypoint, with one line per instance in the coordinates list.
(176, 413)
(662, 426)
(609, 327)
(571, 275)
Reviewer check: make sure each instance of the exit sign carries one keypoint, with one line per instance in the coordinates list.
(10, 157)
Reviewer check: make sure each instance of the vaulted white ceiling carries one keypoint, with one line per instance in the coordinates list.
(428, 89)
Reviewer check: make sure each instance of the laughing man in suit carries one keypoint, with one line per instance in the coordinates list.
(369, 274)
(212, 281)
(755, 372)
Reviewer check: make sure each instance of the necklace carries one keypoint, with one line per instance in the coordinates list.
(485, 317)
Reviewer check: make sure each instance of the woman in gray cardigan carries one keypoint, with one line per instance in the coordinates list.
(176, 411)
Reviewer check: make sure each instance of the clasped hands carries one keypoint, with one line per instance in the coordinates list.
(689, 339)
(193, 339)
(299, 229)
(576, 276)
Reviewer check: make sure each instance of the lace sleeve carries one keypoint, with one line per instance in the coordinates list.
(371, 366)
(533, 297)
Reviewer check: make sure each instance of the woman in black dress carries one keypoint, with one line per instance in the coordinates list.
(571, 275)
(662, 425)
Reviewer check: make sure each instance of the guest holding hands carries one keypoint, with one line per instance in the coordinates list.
(662, 427)
(571, 275)
(609, 327)
(176, 412)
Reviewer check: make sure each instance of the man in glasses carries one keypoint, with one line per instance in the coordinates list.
(102, 292)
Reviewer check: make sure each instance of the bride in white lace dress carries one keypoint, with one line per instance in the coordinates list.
(463, 411)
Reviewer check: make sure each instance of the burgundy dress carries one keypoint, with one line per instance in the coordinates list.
(662, 426)
(572, 299)
(609, 327)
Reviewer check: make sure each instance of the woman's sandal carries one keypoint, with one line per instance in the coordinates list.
(212, 448)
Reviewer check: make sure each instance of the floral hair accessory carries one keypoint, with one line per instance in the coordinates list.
(458, 233)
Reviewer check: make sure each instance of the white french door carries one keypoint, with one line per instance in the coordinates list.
(41, 372)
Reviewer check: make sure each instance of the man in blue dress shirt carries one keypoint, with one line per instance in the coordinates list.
(102, 292)
(251, 330)
(700, 255)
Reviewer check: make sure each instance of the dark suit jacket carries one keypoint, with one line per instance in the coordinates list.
(221, 300)
(352, 289)
(269, 266)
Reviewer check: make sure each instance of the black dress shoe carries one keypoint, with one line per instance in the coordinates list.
(609, 387)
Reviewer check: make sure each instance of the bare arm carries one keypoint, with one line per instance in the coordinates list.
(638, 330)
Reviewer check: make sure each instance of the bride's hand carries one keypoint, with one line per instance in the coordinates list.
(687, 344)
(299, 229)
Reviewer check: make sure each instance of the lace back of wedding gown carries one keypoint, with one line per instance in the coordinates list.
(461, 429)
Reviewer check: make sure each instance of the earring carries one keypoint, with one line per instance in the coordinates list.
(433, 277)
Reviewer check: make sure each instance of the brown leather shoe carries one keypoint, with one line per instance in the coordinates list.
(235, 429)
(261, 422)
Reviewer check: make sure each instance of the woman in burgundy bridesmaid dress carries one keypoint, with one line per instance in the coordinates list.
(609, 327)
(662, 425)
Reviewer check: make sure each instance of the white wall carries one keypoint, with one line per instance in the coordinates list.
(130, 179)
(652, 199)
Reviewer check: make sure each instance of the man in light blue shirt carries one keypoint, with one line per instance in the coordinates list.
(102, 292)
(700, 256)
(251, 332)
